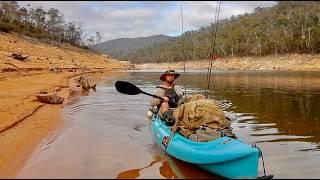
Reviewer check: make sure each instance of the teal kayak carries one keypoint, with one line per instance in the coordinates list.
(224, 156)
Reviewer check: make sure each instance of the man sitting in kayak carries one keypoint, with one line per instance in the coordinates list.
(170, 93)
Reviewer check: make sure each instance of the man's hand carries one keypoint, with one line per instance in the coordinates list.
(165, 98)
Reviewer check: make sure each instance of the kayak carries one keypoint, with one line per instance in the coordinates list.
(225, 156)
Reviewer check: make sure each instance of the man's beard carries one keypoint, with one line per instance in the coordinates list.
(169, 82)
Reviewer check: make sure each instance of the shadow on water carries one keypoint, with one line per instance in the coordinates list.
(170, 168)
(164, 170)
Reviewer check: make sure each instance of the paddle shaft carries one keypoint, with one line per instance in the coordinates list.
(155, 96)
(152, 95)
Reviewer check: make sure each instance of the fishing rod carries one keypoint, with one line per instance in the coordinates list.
(213, 44)
(184, 61)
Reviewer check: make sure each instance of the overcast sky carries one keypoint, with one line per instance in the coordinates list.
(129, 19)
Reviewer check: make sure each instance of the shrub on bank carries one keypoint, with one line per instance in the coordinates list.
(6, 27)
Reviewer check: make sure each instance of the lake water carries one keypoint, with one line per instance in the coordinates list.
(105, 134)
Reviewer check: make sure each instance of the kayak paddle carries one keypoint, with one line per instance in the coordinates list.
(130, 89)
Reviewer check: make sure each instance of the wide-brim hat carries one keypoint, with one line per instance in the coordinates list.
(176, 75)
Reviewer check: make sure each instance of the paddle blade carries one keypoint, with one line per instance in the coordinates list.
(127, 88)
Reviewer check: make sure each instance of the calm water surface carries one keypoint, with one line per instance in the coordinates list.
(105, 134)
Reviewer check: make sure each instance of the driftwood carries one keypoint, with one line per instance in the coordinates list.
(50, 98)
(19, 56)
(84, 82)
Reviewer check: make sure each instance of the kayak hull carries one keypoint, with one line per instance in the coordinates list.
(224, 156)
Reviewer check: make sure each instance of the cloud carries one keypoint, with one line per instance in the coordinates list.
(125, 19)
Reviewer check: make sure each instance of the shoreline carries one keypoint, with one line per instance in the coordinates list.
(289, 62)
(30, 127)
(25, 121)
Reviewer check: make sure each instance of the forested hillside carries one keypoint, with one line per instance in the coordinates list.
(43, 24)
(119, 48)
(287, 27)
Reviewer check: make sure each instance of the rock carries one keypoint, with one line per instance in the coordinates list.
(19, 56)
(55, 70)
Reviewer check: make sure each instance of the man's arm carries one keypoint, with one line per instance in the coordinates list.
(156, 101)
(178, 90)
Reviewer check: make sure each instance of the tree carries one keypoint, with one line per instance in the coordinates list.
(22, 15)
(9, 9)
(38, 18)
(98, 37)
(54, 22)
(91, 41)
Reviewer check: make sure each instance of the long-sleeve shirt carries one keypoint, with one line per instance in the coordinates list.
(160, 92)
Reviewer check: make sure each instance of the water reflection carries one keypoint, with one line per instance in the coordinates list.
(164, 170)
(106, 134)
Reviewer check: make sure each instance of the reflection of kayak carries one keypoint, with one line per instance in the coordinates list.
(224, 156)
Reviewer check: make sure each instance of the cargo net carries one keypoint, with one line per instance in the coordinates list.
(201, 119)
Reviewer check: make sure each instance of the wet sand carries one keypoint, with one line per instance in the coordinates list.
(24, 120)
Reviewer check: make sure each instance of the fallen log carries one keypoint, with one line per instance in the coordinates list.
(50, 98)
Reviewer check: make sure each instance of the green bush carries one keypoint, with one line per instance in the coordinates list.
(6, 27)
(85, 47)
(39, 35)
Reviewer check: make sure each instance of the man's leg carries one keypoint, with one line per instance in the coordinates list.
(166, 113)
(164, 107)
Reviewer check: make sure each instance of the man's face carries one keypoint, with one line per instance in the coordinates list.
(170, 78)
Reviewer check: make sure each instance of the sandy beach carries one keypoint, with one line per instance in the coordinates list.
(25, 121)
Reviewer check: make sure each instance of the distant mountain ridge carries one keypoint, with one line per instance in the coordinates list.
(122, 47)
